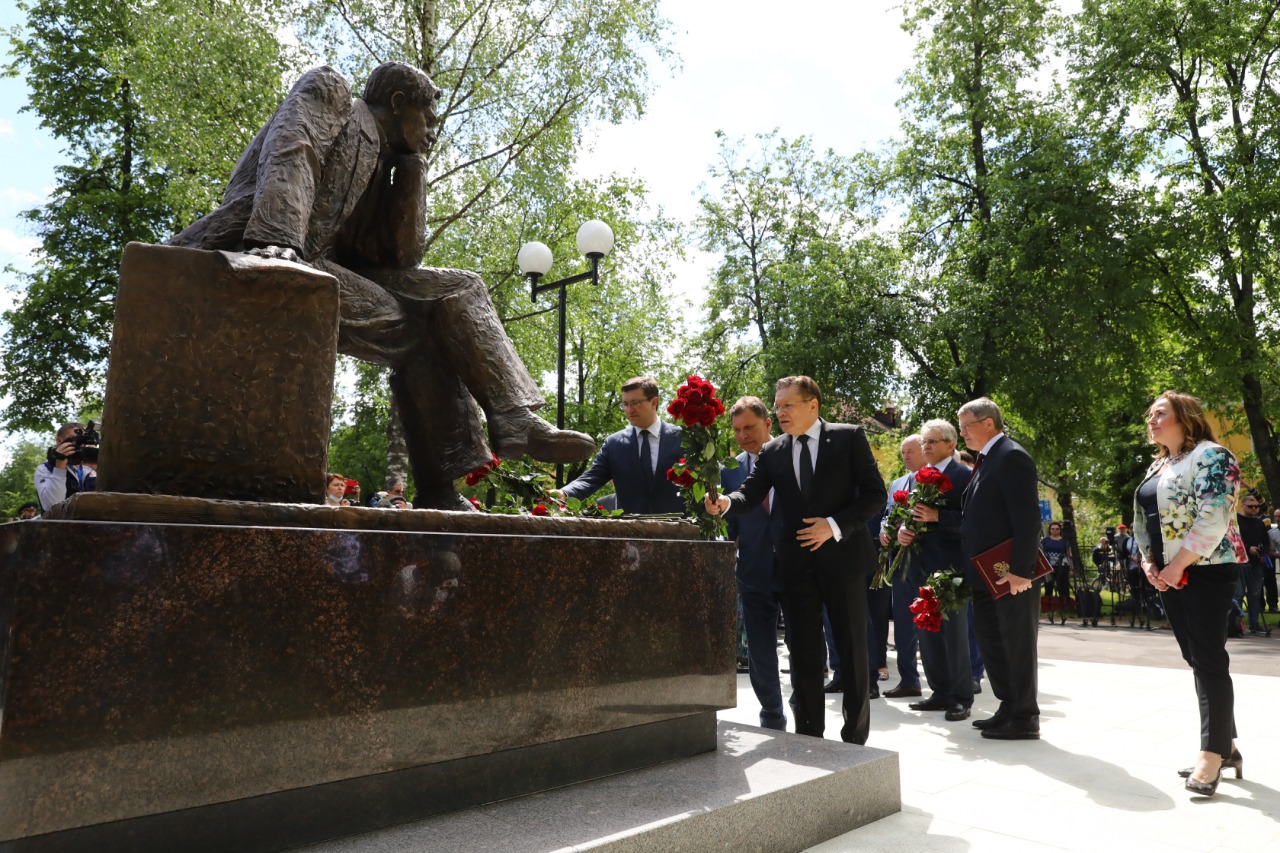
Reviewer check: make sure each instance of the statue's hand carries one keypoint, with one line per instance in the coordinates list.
(279, 253)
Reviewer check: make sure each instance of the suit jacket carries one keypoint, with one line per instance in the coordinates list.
(1003, 502)
(312, 180)
(846, 487)
(758, 534)
(619, 460)
(941, 547)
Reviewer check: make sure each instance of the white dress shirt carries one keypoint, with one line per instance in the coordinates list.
(655, 432)
(815, 433)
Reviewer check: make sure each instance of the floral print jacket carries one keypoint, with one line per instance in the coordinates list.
(1196, 496)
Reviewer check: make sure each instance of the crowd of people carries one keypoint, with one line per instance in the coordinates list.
(809, 510)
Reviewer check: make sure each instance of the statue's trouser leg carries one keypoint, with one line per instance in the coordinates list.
(442, 338)
(465, 331)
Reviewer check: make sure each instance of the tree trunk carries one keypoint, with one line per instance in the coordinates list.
(397, 448)
(1262, 433)
(1067, 501)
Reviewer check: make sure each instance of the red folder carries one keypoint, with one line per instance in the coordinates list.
(994, 563)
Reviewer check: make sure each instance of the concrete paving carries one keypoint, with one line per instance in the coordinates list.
(1119, 717)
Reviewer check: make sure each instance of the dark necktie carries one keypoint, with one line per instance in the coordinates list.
(977, 463)
(646, 459)
(806, 466)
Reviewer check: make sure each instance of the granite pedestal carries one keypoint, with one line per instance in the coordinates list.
(258, 687)
(221, 376)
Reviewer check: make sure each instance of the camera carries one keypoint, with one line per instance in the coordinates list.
(86, 441)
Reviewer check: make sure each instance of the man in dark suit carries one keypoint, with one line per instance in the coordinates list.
(1002, 503)
(828, 488)
(945, 653)
(760, 586)
(636, 459)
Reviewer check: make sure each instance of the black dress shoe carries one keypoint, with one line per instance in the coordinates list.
(902, 691)
(977, 686)
(835, 685)
(875, 691)
(994, 720)
(957, 712)
(1204, 789)
(1011, 729)
(930, 704)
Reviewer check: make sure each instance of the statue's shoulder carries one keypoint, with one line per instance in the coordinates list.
(322, 83)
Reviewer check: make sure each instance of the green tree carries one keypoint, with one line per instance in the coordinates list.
(1017, 282)
(1194, 86)
(799, 284)
(150, 100)
(17, 478)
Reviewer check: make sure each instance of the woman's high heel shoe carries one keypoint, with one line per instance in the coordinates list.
(1235, 762)
(1204, 789)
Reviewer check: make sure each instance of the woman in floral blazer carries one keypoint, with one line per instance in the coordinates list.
(1185, 524)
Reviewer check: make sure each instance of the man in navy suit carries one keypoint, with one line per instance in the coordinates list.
(905, 583)
(1002, 503)
(945, 653)
(827, 488)
(759, 579)
(636, 459)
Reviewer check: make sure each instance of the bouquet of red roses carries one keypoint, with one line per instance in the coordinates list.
(698, 471)
(931, 485)
(945, 592)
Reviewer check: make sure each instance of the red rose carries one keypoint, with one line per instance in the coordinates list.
(708, 417)
(683, 393)
(539, 509)
(475, 503)
(495, 462)
(692, 414)
(926, 592)
(686, 479)
(682, 461)
(709, 388)
(928, 476)
(944, 485)
(719, 406)
(675, 407)
(919, 606)
(901, 496)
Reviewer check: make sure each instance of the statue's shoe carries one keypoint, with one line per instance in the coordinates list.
(514, 434)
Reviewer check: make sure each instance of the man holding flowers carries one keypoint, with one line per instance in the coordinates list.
(636, 459)
(827, 487)
(938, 549)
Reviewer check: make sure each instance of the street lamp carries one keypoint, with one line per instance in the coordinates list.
(595, 240)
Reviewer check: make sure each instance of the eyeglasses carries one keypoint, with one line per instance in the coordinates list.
(787, 407)
(930, 442)
(964, 426)
(631, 404)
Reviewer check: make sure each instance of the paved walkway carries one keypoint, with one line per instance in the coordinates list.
(1119, 717)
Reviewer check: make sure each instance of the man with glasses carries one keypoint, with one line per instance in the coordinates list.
(1253, 532)
(636, 459)
(828, 488)
(945, 653)
(1002, 503)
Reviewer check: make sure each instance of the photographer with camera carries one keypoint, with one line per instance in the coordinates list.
(71, 465)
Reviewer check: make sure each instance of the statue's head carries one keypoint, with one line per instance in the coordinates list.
(403, 99)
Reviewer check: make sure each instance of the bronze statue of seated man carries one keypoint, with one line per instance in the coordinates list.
(340, 184)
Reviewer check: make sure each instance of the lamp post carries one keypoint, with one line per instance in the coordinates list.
(595, 240)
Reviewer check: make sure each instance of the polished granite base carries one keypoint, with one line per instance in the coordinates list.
(761, 791)
(154, 668)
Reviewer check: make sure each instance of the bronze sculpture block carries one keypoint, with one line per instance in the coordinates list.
(221, 376)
